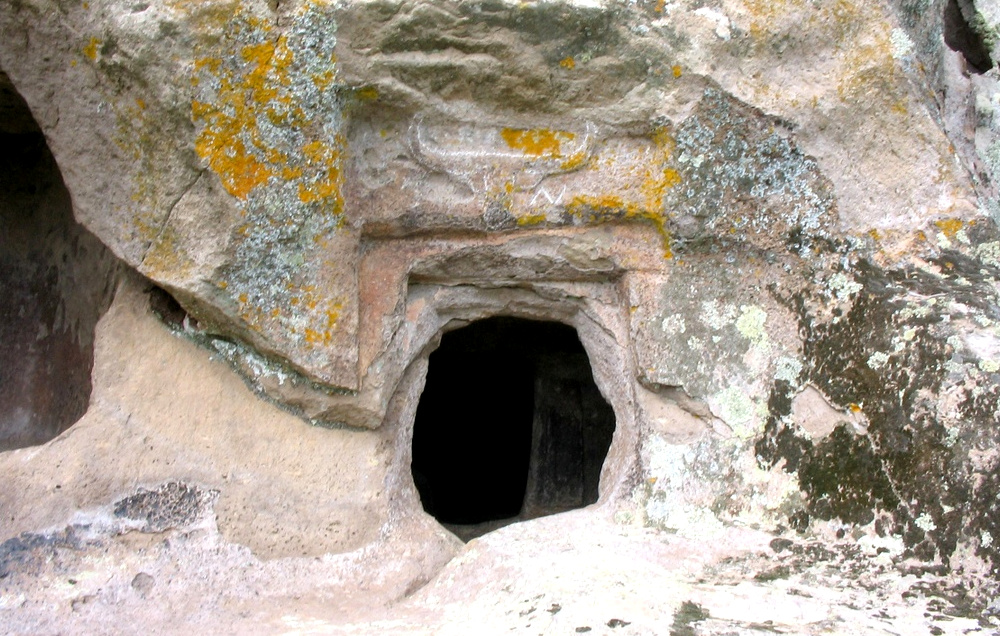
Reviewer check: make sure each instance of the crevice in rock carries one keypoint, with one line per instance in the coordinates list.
(56, 280)
(510, 426)
(166, 307)
(960, 36)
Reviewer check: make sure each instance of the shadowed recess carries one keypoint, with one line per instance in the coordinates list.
(510, 426)
(961, 35)
(56, 280)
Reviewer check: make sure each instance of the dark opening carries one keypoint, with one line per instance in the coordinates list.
(56, 279)
(510, 426)
(961, 36)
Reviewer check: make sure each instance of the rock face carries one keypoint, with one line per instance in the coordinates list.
(773, 226)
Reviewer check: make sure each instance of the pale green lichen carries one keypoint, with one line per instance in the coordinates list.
(878, 360)
(673, 324)
(989, 366)
(901, 44)
(926, 523)
(716, 317)
(738, 410)
(843, 286)
(750, 324)
(989, 253)
(787, 369)
(662, 494)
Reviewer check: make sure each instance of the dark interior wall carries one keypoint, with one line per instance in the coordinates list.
(56, 280)
(571, 434)
(510, 425)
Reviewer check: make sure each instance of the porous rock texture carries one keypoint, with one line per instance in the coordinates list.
(773, 225)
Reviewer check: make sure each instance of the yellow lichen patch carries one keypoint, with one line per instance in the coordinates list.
(537, 142)
(601, 209)
(638, 187)
(90, 51)
(324, 161)
(166, 257)
(950, 227)
(655, 187)
(676, 70)
(325, 79)
(568, 63)
(661, 177)
(252, 86)
(367, 93)
(764, 16)
(531, 219)
(574, 161)
(322, 328)
(136, 138)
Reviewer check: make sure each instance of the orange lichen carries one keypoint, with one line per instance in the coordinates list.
(574, 161)
(643, 199)
(568, 63)
(326, 185)
(949, 227)
(537, 142)
(322, 333)
(676, 70)
(610, 207)
(90, 51)
(232, 142)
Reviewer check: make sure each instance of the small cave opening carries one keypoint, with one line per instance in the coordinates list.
(56, 279)
(510, 426)
(960, 34)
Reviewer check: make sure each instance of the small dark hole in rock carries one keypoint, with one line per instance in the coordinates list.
(510, 426)
(166, 307)
(960, 36)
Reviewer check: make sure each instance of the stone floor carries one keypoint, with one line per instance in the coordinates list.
(565, 574)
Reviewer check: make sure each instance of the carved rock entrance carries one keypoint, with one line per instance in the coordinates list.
(510, 426)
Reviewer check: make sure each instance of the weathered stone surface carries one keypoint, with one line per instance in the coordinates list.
(772, 224)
